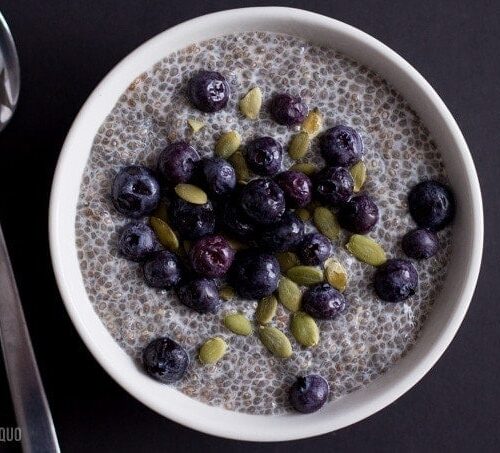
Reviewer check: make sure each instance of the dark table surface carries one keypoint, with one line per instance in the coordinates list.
(67, 46)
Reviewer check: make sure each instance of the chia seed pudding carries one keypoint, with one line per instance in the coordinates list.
(370, 335)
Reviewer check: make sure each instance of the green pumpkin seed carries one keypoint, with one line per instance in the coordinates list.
(289, 294)
(164, 233)
(227, 144)
(303, 214)
(161, 212)
(238, 324)
(366, 249)
(326, 222)
(266, 310)
(236, 245)
(313, 122)
(212, 351)
(335, 274)
(358, 173)
(304, 329)
(287, 260)
(251, 103)
(227, 293)
(305, 167)
(240, 167)
(305, 275)
(196, 125)
(191, 193)
(275, 341)
(299, 145)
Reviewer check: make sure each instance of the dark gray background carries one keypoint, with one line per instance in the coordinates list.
(67, 46)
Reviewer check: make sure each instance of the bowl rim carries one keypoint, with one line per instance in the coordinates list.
(218, 421)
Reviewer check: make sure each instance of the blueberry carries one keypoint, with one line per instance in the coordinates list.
(297, 188)
(163, 270)
(192, 221)
(323, 301)
(284, 235)
(218, 175)
(341, 146)
(176, 163)
(420, 244)
(314, 249)
(263, 201)
(309, 393)
(208, 91)
(333, 185)
(136, 191)
(200, 295)
(165, 360)
(235, 222)
(137, 241)
(264, 156)
(211, 256)
(432, 205)
(287, 109)
(396, 280)
(255, 274)
(359, 215)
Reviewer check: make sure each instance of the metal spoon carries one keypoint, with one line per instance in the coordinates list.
(28, 396)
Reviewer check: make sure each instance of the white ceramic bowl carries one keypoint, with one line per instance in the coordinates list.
(449, 309)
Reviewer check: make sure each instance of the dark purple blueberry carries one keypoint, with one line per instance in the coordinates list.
(359, 215)
(200, 295)
(323, 301)
(218, 175)
(396, 280)
(297, 188)
(309, 393)
(284, 235)
(314, 249)
(165, 360)
(420, 244)
(432, 205)
(235, 222)
(176, 163)
(137, 241)
(192, 221)
(333, 185)
(341, 146)
(263, 201)
(264, 156)
(211, 256)
(208, 91)
(163, 270)
(136, 191)
(255, 274)
(287, 109)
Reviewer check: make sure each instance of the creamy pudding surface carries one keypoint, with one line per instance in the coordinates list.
(359, 344)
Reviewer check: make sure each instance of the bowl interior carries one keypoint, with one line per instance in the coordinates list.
(452, 301)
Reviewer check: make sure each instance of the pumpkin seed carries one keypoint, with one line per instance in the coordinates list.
(240, 167)
(305, 167)
(326, 222)
(299, 145)
(304, 329)
(287, 260)
(305, 275)
(236, 245)
(313, 122)
(161, 212)
(251, 103)
(227, 144)
(366, 249)
(275, 341)
(358, 173)
(335, 274)
(238, 324)
(191, 193)
(303, 214)
(212, 351)
(196, 125)
(289, 294)
(227, 293)
(164, 233)
(266, 310)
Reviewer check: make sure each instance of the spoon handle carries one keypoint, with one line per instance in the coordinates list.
(30, 403)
